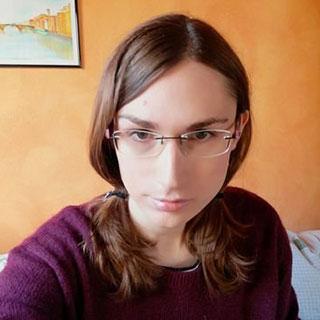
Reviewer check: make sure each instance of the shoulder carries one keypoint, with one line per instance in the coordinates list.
(70, 225)
(56, 243)
(266, 230)
(47, 269)
(43, 271)
(248, 207)
(238, 196)
(265, 225)
(267, 243)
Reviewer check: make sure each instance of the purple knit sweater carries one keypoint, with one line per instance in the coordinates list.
(49, 277)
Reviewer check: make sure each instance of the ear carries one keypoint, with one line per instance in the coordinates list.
(240, 124)
(107, 134)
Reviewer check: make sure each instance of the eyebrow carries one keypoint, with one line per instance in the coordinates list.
(194, 126)
(206, 123)
(139, 122)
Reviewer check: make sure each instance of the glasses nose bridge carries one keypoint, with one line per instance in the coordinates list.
(163, 141)
(162, 138)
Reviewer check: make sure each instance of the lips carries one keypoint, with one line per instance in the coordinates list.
(169, 205)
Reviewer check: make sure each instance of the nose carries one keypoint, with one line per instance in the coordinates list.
(171, 166)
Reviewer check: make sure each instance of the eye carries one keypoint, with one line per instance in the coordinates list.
(140, 136)
(202, 135)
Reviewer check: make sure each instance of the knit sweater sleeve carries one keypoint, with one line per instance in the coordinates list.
(275, 248)
(39, 280)
(271, 279)
(29, 287)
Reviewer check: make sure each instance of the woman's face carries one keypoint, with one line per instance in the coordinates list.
(167, 190)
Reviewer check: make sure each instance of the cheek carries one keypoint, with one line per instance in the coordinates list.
(133, 173)
(212, 173)
(127, 171)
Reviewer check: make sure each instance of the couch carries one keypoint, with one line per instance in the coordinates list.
(306, 272)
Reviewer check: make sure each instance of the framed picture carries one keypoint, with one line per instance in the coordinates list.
(39, 33)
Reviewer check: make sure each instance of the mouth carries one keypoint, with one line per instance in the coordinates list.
(169, 205)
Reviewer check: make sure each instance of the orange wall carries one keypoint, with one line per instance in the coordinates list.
(45, 112)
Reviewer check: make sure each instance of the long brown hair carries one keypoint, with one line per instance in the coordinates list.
(118, 248)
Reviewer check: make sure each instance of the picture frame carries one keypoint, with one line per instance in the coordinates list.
(39, 33)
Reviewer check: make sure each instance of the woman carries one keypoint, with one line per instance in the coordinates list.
(170, 128)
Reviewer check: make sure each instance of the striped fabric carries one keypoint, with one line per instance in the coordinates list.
(306, 272)
(3, 259)
(308, 243)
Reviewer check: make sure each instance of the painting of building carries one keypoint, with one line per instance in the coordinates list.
(47, 33)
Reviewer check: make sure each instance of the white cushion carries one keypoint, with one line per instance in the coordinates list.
(306, 272)
(3, 260)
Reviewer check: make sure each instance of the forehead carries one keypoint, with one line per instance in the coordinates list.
(187, 93)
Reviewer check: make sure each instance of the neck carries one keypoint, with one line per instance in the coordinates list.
(170, 250)
(169, 254)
